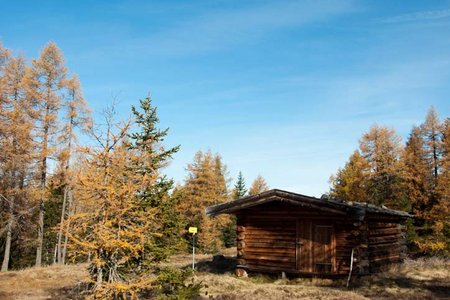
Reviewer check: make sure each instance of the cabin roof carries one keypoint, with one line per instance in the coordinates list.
(355, 210)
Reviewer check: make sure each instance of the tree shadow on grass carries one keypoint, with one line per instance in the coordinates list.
(219, 264)
(419, 289)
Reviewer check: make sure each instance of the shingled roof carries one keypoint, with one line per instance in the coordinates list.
(355, 210)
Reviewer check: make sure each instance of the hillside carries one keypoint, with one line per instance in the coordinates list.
(415, 279)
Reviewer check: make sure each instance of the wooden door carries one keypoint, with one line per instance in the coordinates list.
(315, 247)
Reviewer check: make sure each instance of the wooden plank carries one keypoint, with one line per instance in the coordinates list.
(270, 232)
(284, 242)
(290, 252)
(384, 246)
(380, 232)
(385, 239)
(272, 245)
(269, 237)
(385, 259)
(386, 252)
(269, 257)
(382, 225)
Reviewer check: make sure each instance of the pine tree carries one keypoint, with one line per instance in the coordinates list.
(350, 183)
(239, 188)
(45, 85)
(258, 186)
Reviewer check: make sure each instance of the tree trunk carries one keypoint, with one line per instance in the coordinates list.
(44, 155)
(60, 233)
(5, 263)
(40, 233)
(55, 254)
(66, 237)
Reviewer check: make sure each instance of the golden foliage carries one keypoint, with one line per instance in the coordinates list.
(258, 186)
(205, 185)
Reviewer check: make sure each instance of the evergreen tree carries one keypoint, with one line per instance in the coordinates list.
(258, 186)
(147, 143)
(239, 188)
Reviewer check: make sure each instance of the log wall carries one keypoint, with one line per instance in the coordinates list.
(387, 243)
(284, 237)
(272, 237)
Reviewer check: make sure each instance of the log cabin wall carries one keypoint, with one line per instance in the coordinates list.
(279, 236)
(283, 231)
(387, 242)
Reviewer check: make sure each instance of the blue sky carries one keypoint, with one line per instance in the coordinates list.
(279, 88)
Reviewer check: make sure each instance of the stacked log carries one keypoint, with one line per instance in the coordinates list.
(386, 244)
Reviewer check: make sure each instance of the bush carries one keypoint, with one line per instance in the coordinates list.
(171, 284)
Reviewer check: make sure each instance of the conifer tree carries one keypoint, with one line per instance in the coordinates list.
(441, 210)
(206, 184)
(432, 136)
(45, 84)
(16, 144)
(126, 203)
(77, 116)
(239, 188)
(350, 182)
(149, 142)
(258, 186)
(416, 173)
(381, 147)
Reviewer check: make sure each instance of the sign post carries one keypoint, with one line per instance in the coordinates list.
(193, 230)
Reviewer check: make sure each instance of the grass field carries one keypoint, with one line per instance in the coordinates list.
(415, 279)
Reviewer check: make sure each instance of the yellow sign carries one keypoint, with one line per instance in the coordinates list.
(193, 230)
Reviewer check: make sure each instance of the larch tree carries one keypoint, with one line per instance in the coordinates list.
(350, 182)
(123, 194)
(415, 173)
(16, 144)
(46, 83)
(431, 131)
(205, 185)
(258, 186)
(381, 147)
(77, 117)
(110, 229)
(441, 210)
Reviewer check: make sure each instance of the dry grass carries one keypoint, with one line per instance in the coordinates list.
(53, 282)
(424, 278)
(415, 279)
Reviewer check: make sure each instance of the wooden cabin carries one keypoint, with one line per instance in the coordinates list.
(279, 231)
